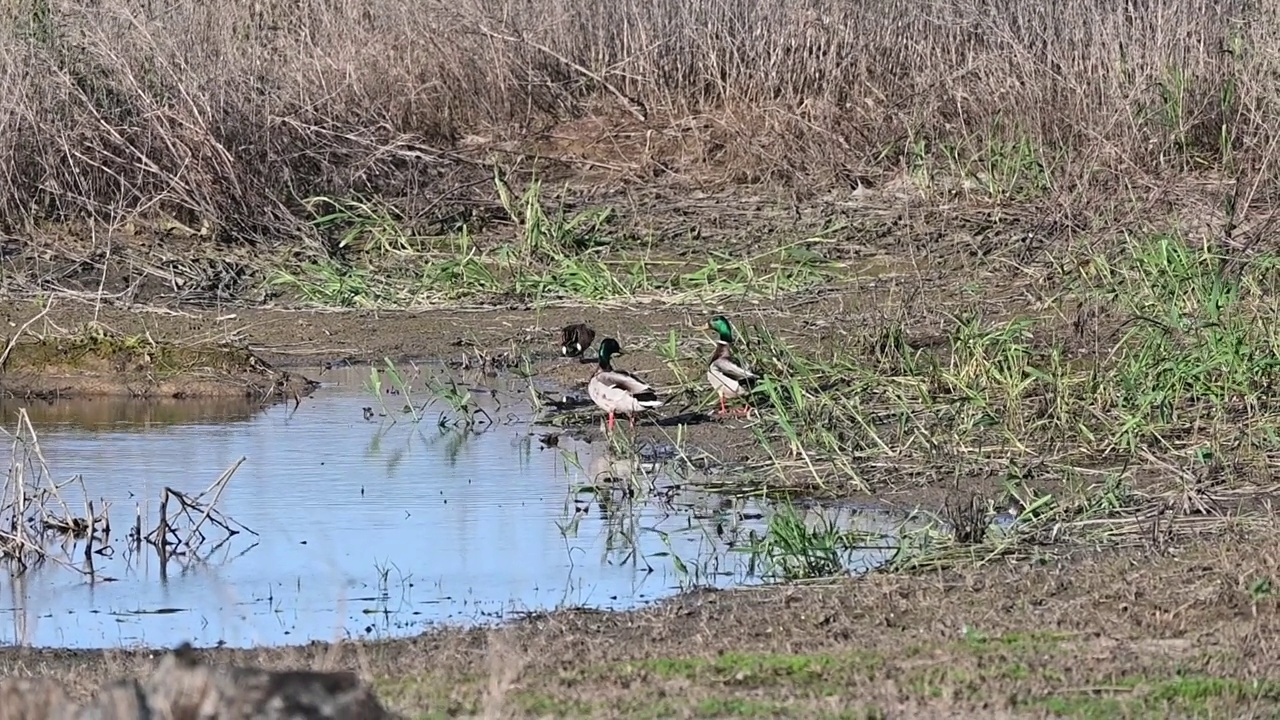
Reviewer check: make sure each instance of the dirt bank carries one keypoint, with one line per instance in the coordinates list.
(93, 363)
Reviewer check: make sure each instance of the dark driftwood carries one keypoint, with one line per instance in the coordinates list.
(183, 688)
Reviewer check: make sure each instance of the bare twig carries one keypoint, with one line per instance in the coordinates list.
(4, 357)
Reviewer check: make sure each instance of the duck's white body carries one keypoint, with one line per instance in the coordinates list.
(617, 391)
(728, 378)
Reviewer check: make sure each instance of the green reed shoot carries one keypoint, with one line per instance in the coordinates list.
(403, 387)
(371, 226)
(462, 410)
(555, 254)
(792, 550)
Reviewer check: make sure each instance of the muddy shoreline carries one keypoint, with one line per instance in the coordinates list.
(288, 340)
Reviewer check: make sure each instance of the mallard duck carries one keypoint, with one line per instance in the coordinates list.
(575, 339)
(618, 391)
(727, 378)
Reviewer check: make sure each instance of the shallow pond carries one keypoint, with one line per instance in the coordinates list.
(370, 528)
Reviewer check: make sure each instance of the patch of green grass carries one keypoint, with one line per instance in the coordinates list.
(497, 275)
(1086, 706)
(740, 707)
(376, 261)
(432, 694)
(1193, 695)
(543, 704)
(1195, 346)
(716, 684)
(644, 708)
(970, 680)
(1038, 671)
(999, 165)
(795, 548)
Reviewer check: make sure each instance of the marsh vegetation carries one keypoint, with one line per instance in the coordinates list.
(995, 259)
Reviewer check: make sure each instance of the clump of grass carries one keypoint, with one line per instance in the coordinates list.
(793, 549)
(1192, 360)
(1199, 347)
(400, 386)
(461, 410)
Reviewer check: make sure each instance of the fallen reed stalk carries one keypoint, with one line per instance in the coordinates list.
(169, 538)
(33, 513)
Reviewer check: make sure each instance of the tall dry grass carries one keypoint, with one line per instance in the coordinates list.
(228, 112)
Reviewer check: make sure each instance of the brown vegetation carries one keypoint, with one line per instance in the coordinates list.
(217, 119)
(33, 699)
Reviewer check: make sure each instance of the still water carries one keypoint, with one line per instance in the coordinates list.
(366, 527)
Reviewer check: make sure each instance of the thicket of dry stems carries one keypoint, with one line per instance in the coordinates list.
(230, 112)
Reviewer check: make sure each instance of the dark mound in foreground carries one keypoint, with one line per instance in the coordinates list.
(183, 687)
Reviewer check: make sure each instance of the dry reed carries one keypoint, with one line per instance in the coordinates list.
(36, 521)
(33, 512)
(221, 116)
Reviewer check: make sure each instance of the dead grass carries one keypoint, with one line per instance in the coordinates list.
(217, 120)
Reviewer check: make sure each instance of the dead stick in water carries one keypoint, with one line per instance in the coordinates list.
(162, 530)
(20, 517)
(88, 544)
(221, 485)
(137, 526)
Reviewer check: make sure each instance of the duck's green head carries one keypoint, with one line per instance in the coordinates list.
(720, 325)
(608, 348)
